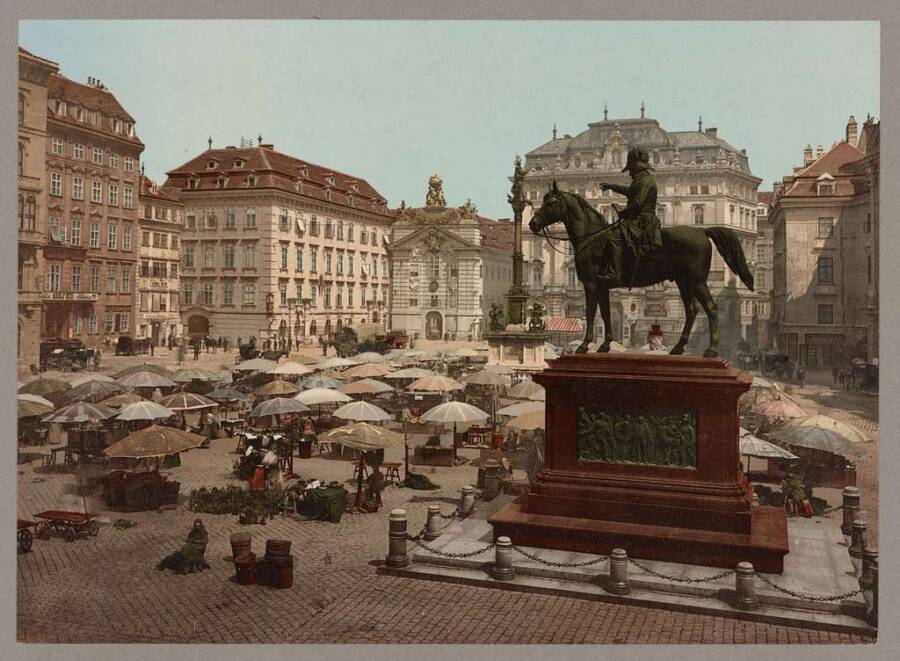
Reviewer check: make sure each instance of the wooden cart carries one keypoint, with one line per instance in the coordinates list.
(69, 524)
(24, 537)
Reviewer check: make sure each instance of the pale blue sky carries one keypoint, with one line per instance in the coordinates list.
(394, 102)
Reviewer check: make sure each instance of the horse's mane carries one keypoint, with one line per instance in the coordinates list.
(592, 214)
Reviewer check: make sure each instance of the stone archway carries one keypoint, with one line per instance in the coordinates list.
(434, 325)
(198, 326)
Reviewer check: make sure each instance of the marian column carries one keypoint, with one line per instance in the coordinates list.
(518, 294)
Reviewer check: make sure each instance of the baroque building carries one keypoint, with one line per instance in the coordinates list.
(702, 180)
(450, 266)
(158, 314)
(275, 245)
(825, 219)
(764, 275)
(93, 177)
(34, 75)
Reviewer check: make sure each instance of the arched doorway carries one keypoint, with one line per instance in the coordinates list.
(198, 326)
(434, 325)
(312, 327)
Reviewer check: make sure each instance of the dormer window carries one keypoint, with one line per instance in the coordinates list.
(129, 129)
(825, 185)
(304, 172)
(79, 114)
(220, 182)
(211, 164)
(60, 107)
(193, 183)
(251, 180)
(117, 125)
(239, 162)
(329, 179)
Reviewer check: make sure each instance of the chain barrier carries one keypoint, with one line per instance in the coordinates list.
(551, 563)
(444, 554)
(810, 597)
(679, 579)
(452, 515)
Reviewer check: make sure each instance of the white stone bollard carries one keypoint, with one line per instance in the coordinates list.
(745, 587)
(850, 509)
(503, 569)
(618, 572)
(467, 501)
(857, 544)
(432, 530)
(397, 537)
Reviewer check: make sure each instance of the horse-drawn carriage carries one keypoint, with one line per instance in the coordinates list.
(68, 355)
(129, 346)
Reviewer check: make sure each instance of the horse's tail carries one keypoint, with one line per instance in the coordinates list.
(729, 246)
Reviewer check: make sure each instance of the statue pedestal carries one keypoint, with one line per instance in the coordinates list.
(642, 453)
(517, 348)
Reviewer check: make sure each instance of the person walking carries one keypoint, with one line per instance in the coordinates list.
(197, 349)
(801, 375)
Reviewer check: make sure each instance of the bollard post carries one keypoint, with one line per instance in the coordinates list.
(745, 587)
(503, 569)
(431, 527)
(467, 501)
(397, 555)
(866, 578)
(850, 509)
(857, 544)
(873, 612)
(618, 572)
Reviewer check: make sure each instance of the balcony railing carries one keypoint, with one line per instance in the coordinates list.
(69, 296)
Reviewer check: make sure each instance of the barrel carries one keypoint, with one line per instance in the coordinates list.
(245, 568)
(240, 544)
(304, 449)
(282, 574)
(277, 549)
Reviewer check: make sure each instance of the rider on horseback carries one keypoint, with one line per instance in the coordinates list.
(639, 226)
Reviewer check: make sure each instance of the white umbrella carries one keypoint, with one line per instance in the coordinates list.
(369, 357)
(454, 412)
(525, 389)
(437, 383)
(529, 421)
(819, 432)
(95, 376)
(37, 399)
(759, 382)
(290, 367)
(365, 387)
(322, 396)
(333, 363)
(498, 368)
(145, 410)
(278, 406)
(319, 381)
(409, 373)
(146, 380)
(255, 365)
(486, 378)
(522, 408)
(753, 446)
(361, 412)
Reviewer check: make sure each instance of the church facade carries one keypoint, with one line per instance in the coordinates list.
(702, 180)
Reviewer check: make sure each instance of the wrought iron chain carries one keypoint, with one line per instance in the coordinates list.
(452, 514)
(551, 563)
(679, 579)
(444, 554)
(417, 537)
(810, 597)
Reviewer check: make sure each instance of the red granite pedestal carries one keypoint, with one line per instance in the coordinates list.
(692, 506)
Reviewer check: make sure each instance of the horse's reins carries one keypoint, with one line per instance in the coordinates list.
(588, 238)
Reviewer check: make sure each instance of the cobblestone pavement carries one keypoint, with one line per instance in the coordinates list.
(107, 589)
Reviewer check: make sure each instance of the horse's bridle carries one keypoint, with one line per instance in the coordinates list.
(543, 231)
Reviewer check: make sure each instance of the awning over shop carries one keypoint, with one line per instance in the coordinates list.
(564, 325)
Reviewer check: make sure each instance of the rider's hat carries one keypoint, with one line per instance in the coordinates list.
(637, 156)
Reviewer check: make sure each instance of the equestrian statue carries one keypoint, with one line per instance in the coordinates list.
(635, 252)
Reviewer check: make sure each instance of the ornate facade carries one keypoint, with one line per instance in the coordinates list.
(34, 74)
(702, 180)
(450, 265)
(275, 246)
(825, 218)
(158, 310)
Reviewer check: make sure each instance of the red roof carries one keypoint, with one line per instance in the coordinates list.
(151, 191)
(831, 161)
(273, 169)
(765, 197)
(88, 96)
(22, 51)
(804, 181)
(563, 325)
(495, 234)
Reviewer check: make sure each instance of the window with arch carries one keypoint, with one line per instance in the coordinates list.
(21, 158)
(21, 109)
(538, 277)
(30, 208)
(434, 265)
(698, 215)
(617, 159)
(572, 279)
(21, 214)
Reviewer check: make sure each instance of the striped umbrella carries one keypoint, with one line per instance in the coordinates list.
(145, 367)
(93, 376)
(454, 412)
(80, 412)
(145, 410)
(187, 401)
(146, 379)
(92, 391)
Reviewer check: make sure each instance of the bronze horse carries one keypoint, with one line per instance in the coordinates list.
(684, 258)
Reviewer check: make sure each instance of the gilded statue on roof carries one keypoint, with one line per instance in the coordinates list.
(435, 196)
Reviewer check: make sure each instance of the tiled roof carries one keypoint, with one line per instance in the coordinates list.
(804, 182)
(765, 197)
(831, 161)
(496, 234)
(151, 191)
(91, 98)
(22, 51)
(273, 169)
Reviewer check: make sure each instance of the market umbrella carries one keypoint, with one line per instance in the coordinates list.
(255, 365)
(145, 410)
(336, 374)
(819, 432)
(45, 387)
(290, 367)
(321, 396)
(779, 409)
(94, 376)
(454, 412)
(500, 369)
(369, 357)
(528, 421)
(37, 399)
(144, 367)
(320, 381)
(753, 446)
(365, 387)
(195, 374)
(367, 370)
(525, 389)
(538, 396)
(146, 379)
(409, 373)
(227, 395)
(486, 378)
(117, 401)
(335, 362)
(304, 360)
(278, 406)
(154, 441)
(187, 401)
(759, 382)
(466, 352)
(521, 408)
(80, 412)
(361, 412)
(276, 388)
(26, 408)
(437, 383)
(91, 391)
(365, 437)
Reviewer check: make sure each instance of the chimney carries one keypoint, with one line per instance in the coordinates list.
(820, 151)
(851, 130)
(269, 146)
(776, 188)
(711, 132)
(807, 155)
